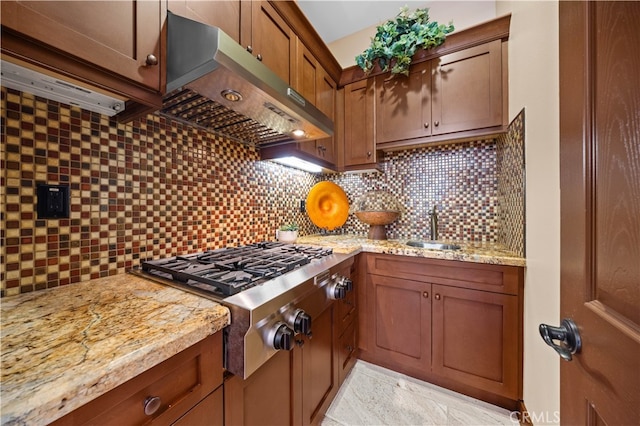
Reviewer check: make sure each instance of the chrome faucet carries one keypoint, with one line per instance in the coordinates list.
(434, 223)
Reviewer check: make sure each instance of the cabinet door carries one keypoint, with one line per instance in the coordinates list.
(401, 330)
(326, 102)
(306, 83)
(116, 36)
(347, 350)
(467, 89)
(265, 397)
(476, 339)
(209, 412)
(272, 40)
(224, 14)
(319, 368)
(403, 104)
(359, 143)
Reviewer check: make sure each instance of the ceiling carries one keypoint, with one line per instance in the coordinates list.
(334, 19)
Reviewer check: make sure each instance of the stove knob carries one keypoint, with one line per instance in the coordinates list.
(336, 291)
(302, 322)
(347, 283)
(283, 338)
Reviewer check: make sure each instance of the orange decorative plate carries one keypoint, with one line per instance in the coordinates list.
(327, 205)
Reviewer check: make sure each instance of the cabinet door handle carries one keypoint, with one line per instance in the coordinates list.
(151, 60)
(369, 154)
(151, 405)
(259, 57)
(426, 125)
(425, 294)
(436, 123)
(437, 296)
(249, 49)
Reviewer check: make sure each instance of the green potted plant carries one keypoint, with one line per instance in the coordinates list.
(288, 233)
(398, 39)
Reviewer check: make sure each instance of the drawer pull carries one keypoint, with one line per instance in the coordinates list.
(151, 60)
(151, 405)
(425, 294)
(437, 296)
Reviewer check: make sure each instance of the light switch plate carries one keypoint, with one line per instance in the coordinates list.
(53, 201)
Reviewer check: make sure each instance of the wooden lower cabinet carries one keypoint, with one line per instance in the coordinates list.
(347, 350)
(296, 387)
(188, 385)
(400, 325)
(265, 397)
(474, 338)
(207, 413)
(436, 320)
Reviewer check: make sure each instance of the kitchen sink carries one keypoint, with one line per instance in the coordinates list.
(433, 245)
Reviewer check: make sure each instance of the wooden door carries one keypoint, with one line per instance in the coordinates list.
(475, 339)
(359, 142)
(600, 210)
(306, 83)
(272, 41)
(209, 412)
(326, 102)
(467, 89)
(403, 104)
(265, 397)
(319, 368)
(400, 332)
(116, 36)
(224, 14)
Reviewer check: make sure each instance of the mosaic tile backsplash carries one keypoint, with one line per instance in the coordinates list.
(154, 188)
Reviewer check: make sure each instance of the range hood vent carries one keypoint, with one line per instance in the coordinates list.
(215, 84)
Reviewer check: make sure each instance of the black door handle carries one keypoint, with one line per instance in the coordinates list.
(567, 334)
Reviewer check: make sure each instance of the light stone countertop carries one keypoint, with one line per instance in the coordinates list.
(469, 252)
(65, 346)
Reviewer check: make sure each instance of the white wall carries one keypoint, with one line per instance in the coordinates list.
(463, 13)
(534, 85)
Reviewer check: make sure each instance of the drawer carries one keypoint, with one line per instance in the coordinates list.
(478, 276)
(347, 350)
(346, 309)
(180, 382)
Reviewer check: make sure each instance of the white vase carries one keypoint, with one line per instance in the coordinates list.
(287, 236)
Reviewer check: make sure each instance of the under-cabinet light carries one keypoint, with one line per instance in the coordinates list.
(298, 163)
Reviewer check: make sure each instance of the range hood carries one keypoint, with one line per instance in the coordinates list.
(215, 84)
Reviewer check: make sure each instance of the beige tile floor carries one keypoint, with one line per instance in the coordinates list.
(373, 395)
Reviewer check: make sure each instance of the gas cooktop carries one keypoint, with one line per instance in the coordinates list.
(228, 271)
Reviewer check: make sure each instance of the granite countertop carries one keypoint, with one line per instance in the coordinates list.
(65, 346)
(469, 252)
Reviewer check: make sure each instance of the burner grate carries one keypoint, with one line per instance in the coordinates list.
(229, 271)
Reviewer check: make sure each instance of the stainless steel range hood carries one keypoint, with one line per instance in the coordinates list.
(214, 83)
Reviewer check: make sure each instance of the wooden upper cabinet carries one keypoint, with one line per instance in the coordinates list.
(326, 102)
(314, 83)
(121, 37)
(461, 92)
(467, 89)
(359, 143)
(224, 14)
(403, 104)
(272, 41)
